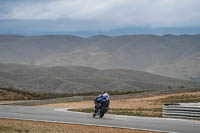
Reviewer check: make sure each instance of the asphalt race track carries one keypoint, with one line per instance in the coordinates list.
(61, 115)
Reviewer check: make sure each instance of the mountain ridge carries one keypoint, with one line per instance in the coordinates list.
(168, 55)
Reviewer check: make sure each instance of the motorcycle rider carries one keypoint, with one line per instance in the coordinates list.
(103, 99)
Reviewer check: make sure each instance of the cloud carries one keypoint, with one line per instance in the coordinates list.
(105, 14)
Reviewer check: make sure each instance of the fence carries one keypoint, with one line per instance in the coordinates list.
(182, 110)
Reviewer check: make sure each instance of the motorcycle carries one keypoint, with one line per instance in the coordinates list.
(100, 109)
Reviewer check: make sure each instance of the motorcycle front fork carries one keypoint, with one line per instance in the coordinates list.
(94, 111)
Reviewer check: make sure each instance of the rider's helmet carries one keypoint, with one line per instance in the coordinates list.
(104, 92)
(105, 95)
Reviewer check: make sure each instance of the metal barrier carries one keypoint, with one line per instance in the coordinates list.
(182, 110)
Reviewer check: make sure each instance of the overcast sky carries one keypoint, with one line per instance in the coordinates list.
(89, 17)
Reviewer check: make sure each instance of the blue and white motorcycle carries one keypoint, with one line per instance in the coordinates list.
(100, 106)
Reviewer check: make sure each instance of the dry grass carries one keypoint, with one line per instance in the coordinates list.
(9, 102)
(142, 106)
(22, 126)
(134, 103)
(9, 95)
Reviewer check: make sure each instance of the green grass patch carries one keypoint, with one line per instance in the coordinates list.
(181, 99)
(151, 109)
(153, 112)
(117, 92)
(10, 129)
(5, 129)
(127, 112)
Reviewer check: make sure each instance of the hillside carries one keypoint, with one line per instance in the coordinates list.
(6, 94)
(168, 55)
(77, 79)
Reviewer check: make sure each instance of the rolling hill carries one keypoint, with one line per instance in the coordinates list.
(79, 79)
(168, 55)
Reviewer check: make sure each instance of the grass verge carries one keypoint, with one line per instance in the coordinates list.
(5, 129)
(181, 99)
(152, 112)
(24, 126)
(144, 106)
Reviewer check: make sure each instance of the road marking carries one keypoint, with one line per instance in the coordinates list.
(61, 109)
(76, 123)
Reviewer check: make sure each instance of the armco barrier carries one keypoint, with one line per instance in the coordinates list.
(182, 110)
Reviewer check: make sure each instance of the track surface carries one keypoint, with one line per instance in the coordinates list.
(60, 115)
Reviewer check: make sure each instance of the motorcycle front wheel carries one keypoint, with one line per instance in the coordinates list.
(102, 112)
